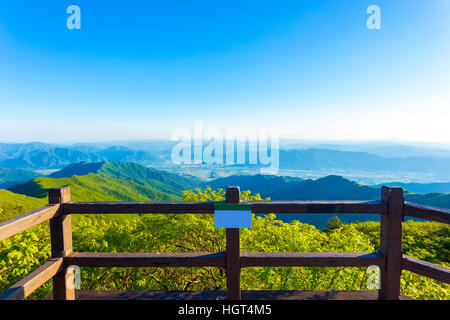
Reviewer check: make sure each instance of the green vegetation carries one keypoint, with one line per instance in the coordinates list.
(118, 181)
(162, 180)
(14, 204)
(93, 187)
(441, 200)
(333, 223)
(327, 188)
(111, 181)
(188, 233)
(287, 188)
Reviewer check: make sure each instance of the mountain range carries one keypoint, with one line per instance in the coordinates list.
(440, 187)
(327, 188)
(110, 181)
(286, 188)
(320, 159)
(36, 156)
(124, 181)
(382, 149)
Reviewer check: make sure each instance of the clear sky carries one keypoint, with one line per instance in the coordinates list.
(140, 69)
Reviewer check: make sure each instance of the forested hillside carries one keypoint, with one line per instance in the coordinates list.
(13, 204)
(110, 181)
(327, 188)
(317, 158)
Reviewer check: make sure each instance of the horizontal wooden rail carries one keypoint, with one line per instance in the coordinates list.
(34, 280)
(427, 212)
(246, 259)
(208, 207)
(319, 207)
(311, 259)
(144, 259)
(138, 207)
(392, 209)
(426, 269)
(27, 220)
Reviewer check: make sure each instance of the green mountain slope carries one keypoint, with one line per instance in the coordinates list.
(14, 204)
(78, 169)
(162, 180)
(441, 200)
(110, 181)
(327, 188)
(118, 181)
(267, 185)
(287, 188)
(93, 187)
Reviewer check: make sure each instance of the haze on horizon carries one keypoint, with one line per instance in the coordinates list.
(309, 69)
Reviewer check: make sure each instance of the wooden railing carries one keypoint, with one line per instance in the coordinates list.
(389, 258)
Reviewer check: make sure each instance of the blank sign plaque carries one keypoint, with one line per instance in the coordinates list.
(232, 215)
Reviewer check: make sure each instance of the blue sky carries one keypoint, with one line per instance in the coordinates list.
(141, 69)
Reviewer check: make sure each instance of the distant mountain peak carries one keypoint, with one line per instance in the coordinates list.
(332, 187)
(334, 178)
(109, 180)
(78, 169)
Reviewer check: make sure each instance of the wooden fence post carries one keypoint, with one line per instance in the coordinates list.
(391, 243)
(233, 251)
(61, 244)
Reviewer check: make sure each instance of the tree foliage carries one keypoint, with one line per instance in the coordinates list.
(333, 223)
(24, 252)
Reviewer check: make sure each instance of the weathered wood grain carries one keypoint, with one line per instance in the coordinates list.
(34, 280)
(312, 259)
(27, 220)
(208, 207)
(146, 259)
(390, 260)
(427, 212)
(221, 295)
(233, 249)
(426, 269)
(61, 243)
(391, 243)
(375, 207)
(138, 207)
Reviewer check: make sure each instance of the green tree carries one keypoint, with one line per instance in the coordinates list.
(333, 223)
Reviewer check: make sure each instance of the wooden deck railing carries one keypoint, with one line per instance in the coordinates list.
(392, 208)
